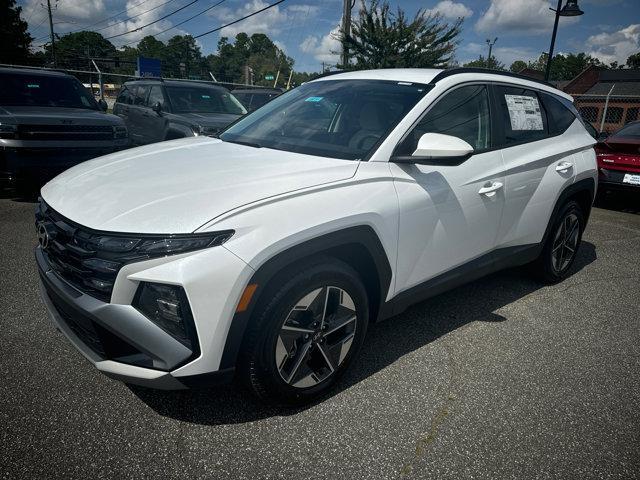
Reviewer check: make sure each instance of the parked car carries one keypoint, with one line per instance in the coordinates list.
(254, 98)
(619, 158)
(49, 122)
(155, 110)
(264, 254)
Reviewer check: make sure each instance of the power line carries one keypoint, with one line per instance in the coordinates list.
(122, 21)
(155, 21)
(240, 19)
(183, 22)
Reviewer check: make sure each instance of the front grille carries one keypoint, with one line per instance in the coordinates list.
(70, 255)
(65, 132)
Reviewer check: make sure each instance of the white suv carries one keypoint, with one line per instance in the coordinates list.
(264, 254)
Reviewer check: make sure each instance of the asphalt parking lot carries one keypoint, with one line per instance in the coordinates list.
(501, 378)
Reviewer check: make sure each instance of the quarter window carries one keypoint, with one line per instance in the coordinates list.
(462, 113)
(522, 116)
(560, 117)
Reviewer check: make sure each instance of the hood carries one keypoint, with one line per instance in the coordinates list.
(209, 119)
(177, 186)
(56, 115)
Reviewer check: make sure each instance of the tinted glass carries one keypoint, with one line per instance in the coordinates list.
(522, 115)
(332, 118)
(559, 116)
(260, 99)
(124, 96)
(203, 99)
(462, 113)
(155, 96)
(23, 89)
(632, 130)
(140, 94)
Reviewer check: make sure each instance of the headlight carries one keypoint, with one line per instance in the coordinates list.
(8, 131)
(167, 306)
(120, 132)
(205, 130)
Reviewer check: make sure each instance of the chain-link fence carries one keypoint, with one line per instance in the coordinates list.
(608, 113)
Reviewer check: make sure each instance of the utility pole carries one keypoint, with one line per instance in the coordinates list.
(53, 40)
(346, 31)
(491, 44)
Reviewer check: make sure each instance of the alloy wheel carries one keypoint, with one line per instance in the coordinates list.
(565, 243)
(316, 337)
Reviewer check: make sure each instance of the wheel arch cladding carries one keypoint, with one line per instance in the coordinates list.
(583, 192)
(359, 247)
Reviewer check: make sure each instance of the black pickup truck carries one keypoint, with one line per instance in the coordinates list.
(48, 123)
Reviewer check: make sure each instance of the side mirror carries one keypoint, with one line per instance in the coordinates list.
(438, 149)
(102, 105)
(157, 107)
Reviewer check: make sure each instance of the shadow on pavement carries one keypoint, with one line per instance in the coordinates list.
(627, 201)
(385, 343)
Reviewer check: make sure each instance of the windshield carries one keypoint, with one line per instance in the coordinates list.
(197, 99)
(331, 118)
(29, 90)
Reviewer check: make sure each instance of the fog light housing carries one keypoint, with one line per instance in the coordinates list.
(167, 306)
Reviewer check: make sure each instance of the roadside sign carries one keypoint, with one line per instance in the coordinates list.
(148, 67)
(269, 77)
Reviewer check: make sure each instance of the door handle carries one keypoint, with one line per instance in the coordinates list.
(490, 189)
(562, 167)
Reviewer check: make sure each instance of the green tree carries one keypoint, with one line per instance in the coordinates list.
(518, 66)
(382, 39)
(566, 67)
(151, 48)
(481, 62)
(75, 50)
(14, 37)
(634, 61)
(257, 52)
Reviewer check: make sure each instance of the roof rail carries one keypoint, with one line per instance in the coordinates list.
(456, 71)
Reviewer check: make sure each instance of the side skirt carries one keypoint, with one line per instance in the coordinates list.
(491, 262)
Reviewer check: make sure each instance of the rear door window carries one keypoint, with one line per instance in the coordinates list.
(521, 115)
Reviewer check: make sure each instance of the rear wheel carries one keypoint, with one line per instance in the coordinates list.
(561, 246)
(306, 336)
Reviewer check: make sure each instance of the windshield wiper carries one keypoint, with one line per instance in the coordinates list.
(241, 142)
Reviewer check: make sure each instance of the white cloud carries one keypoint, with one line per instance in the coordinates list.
(271, 22)
(325, 48)
(616, 46)
(451, 10)
(530, 17)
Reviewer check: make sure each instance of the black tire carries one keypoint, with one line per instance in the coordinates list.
(550, 267)
(266, 337)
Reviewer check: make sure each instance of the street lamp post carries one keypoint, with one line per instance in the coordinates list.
(571, 9)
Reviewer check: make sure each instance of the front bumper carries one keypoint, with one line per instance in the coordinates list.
(117, 339)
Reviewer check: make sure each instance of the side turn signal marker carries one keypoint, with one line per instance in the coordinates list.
(246, 297)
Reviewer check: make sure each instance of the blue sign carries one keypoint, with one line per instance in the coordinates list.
(148, 67)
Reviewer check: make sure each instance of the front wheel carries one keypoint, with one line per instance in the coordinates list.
(307, 335)
(561, 247)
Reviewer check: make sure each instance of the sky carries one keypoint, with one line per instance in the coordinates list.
(305, 29)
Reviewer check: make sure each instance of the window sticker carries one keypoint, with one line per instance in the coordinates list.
(524, 112)
(314, 99)
(33, 85)
(205, 96)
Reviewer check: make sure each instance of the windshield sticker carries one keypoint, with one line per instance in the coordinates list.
(524, 112)
(33, 85)
(205, 96)
(313, 99)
